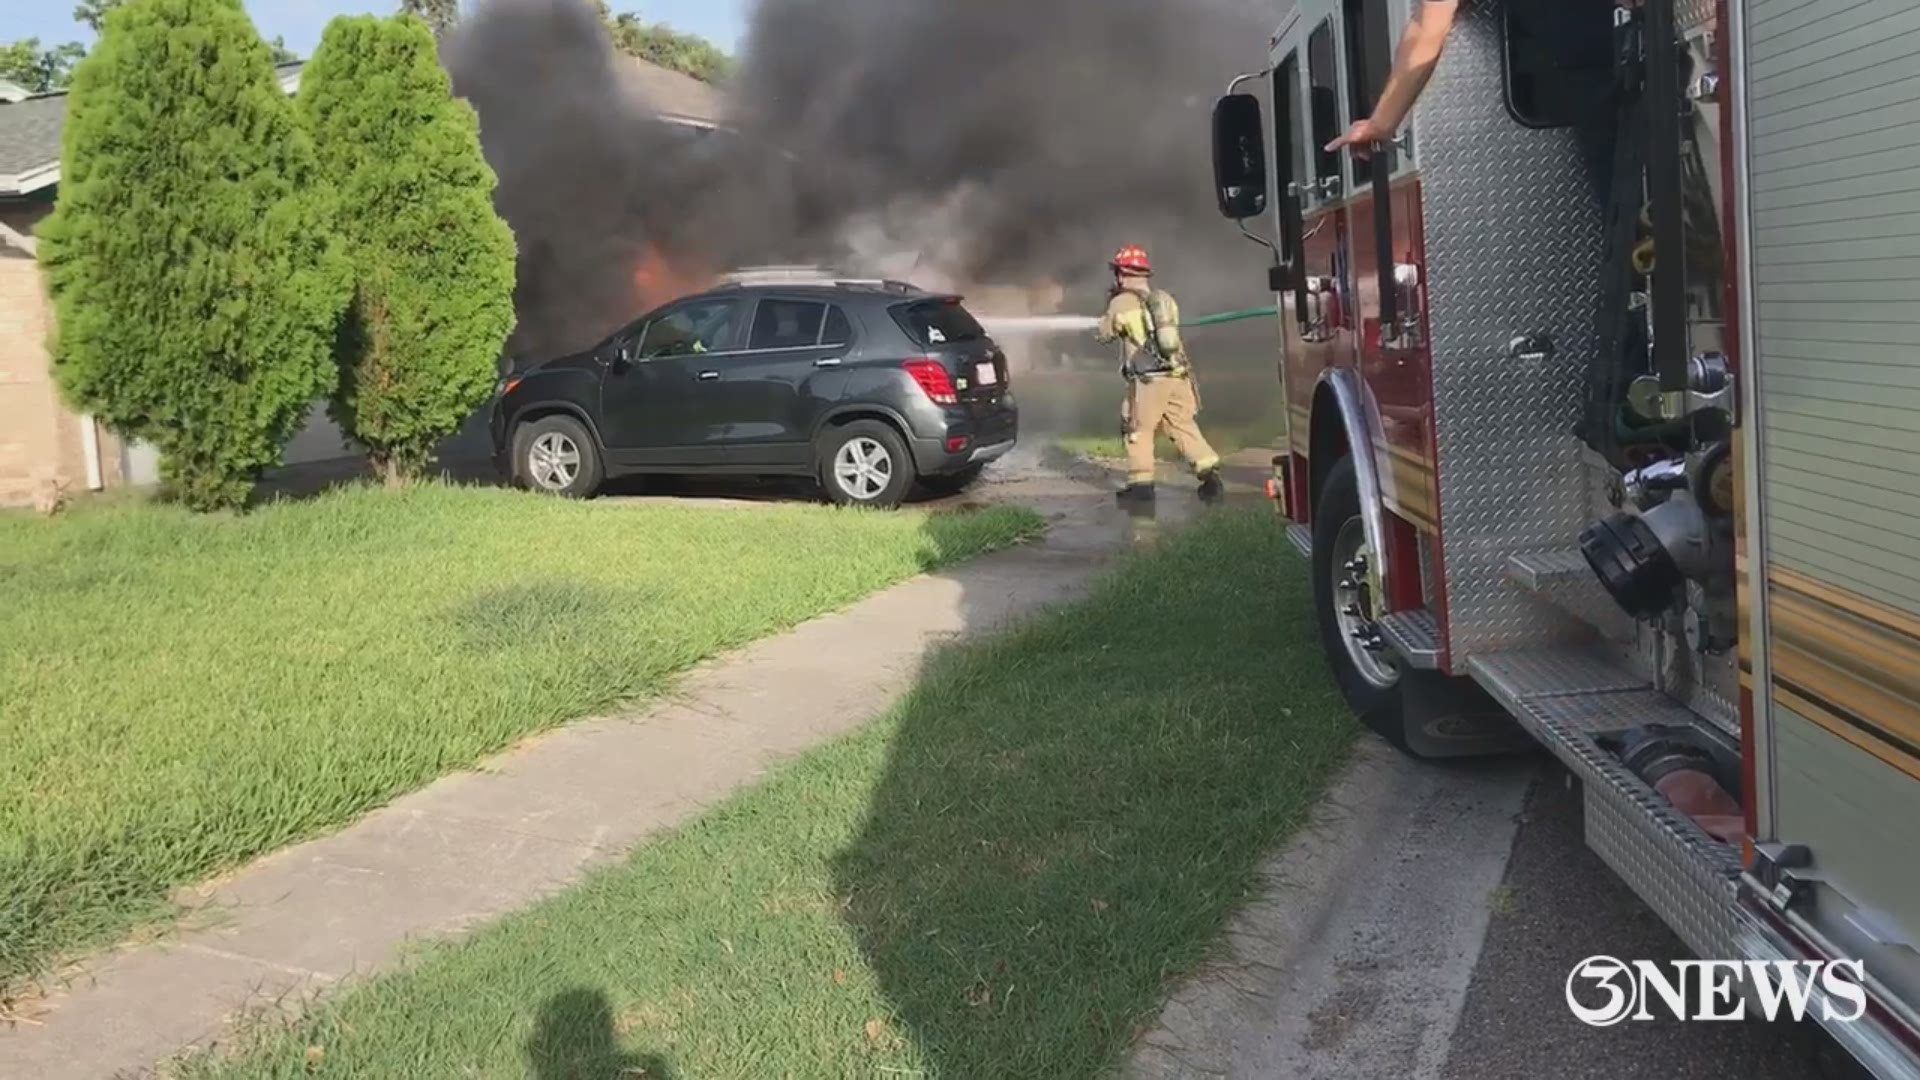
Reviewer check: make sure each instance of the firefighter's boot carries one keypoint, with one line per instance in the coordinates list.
(1135, 495)
(1211, 487)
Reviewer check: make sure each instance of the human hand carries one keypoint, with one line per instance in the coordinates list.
(1361, 137)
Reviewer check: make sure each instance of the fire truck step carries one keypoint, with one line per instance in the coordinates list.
(1563, 580)
(1302, 538)
(1582, 689)
(1415, 635)
(1572, 701)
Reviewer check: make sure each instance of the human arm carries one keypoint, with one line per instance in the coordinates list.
(1413, 65)
(1108, 331)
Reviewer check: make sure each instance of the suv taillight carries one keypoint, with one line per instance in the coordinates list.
(933, 378)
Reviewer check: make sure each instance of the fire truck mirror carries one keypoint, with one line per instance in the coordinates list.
(1240, 157)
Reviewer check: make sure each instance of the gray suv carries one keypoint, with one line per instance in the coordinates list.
(873, 388)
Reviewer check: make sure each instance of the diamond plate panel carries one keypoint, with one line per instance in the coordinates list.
(1612, 713)
(1301, 539)
(1692, 16)
(1563, 697)
(1513, 247)
(1715, 694)
(1690, 879)
(1518, 677)
(1538, 570)
(1415, 635)
(1564, 580)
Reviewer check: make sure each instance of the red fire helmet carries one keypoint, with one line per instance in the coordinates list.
(1133, 259)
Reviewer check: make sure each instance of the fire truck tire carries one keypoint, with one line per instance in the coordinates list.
(1379, 703)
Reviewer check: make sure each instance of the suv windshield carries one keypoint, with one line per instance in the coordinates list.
(937, 322)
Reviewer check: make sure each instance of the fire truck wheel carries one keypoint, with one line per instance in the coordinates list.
(1368, 675)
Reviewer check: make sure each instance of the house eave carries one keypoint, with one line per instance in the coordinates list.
(29, 182)
(40, 178)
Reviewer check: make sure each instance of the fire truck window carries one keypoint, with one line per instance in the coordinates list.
(838, 331)
(1368, 64)
(1290, 151)
(1558, 64)
(1322, 70)
(787, 324)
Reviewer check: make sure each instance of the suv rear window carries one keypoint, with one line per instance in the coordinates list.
(787, 324)
(937, 322)
(838, 330)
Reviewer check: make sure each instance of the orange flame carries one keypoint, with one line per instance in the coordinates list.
(658, 278)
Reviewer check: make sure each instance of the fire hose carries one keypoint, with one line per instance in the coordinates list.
(1047, 324)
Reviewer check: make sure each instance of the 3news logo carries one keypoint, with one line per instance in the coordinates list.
(1603, 991)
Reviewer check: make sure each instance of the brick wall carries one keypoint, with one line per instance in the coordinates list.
(41, 441)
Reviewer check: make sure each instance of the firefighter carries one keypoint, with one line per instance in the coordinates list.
(1160, 386)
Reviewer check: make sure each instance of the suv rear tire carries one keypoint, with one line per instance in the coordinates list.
(865, 463)
(557, 455)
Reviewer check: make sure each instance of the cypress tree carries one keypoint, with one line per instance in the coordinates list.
(191, 260)
(433, 263)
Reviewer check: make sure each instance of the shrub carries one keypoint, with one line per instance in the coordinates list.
(191, 258)
(433, 264)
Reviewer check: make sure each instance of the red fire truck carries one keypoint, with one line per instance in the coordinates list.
(1639, 481)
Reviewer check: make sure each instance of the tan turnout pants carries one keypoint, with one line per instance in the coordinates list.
(1167, 404)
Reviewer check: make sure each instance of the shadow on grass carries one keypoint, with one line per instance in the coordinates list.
(574, 1039)
(1069, 813)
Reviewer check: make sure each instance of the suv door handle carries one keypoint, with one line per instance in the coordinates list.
(709, 376)
(832, 361)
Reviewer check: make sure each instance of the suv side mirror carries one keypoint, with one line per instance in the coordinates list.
(1239, 157)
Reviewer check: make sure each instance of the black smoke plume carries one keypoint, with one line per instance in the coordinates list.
(964, 142)
(591, 182)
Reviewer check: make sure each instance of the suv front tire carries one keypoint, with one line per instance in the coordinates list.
(865, 463)
(557, 455)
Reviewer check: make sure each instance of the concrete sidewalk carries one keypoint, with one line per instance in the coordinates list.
(479, 844)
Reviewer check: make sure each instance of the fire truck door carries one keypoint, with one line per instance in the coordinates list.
(1381, 217)
(1327, 335)
(1291, 131)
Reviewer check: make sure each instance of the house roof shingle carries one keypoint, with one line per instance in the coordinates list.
(672, 95)
(29, 139)
(30, 136)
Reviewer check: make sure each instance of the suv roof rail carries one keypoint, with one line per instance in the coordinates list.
(748, 274)
(808, 275)
(888, 284)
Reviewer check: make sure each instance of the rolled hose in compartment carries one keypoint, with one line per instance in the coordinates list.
(1687, 776)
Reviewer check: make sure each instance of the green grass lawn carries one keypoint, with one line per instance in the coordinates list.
(179, 693)
(1000, 879)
